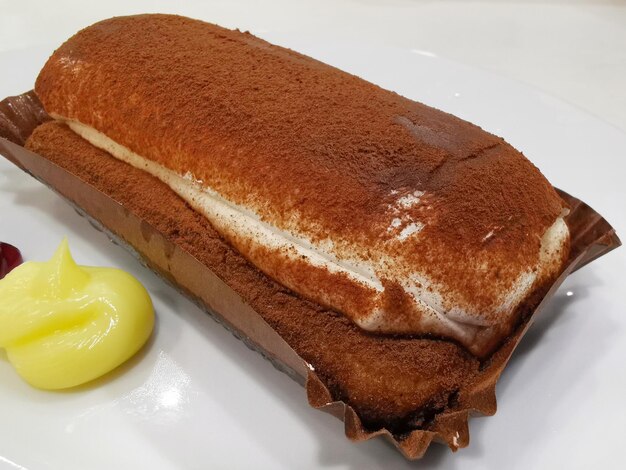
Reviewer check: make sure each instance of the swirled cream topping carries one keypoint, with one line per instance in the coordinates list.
(62, 324)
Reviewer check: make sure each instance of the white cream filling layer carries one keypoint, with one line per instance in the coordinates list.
(225, 214)
(227, 217)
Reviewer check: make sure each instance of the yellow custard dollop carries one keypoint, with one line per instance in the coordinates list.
(63, 325)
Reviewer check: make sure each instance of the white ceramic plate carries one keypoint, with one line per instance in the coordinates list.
(198, 398)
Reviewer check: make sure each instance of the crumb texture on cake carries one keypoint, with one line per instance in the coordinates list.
(453, 227)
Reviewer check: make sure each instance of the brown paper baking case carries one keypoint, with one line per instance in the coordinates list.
(591, 237)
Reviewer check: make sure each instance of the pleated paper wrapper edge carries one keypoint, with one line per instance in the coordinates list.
(591, 237)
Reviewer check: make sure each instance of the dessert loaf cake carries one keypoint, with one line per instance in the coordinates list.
(406, 220)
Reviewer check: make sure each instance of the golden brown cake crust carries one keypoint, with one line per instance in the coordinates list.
(392, 382)
(281, 132)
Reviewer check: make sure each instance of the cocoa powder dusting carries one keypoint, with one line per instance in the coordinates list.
(389, 381)
(307, 144)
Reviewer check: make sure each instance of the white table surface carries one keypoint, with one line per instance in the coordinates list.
(575, 51)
